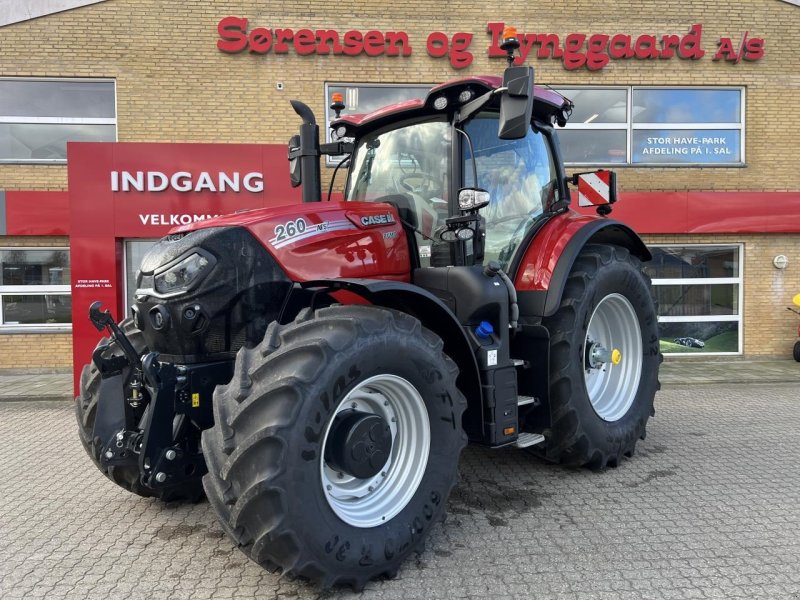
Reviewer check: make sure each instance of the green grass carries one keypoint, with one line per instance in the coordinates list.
(724, 342)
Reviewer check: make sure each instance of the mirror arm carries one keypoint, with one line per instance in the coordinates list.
(336, 148)
(473, 106)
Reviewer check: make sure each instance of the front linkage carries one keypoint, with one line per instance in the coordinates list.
(158, 411)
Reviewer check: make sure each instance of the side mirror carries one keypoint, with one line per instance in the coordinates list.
(596, 188)
(473, 199)
(516, 103)
(295, 169)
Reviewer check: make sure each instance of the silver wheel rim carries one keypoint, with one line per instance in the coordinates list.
(613, 357)
(375, 500)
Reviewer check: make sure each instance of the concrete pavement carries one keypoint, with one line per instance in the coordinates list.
(708, 508)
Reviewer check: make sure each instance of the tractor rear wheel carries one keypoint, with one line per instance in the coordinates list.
(336, 444)
(125, 476)
(796, 351)
(604, 360)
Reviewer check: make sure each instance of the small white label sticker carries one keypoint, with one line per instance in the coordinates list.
(491, 358)
(424, 251)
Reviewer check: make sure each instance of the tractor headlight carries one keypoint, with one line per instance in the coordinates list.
(183, 274)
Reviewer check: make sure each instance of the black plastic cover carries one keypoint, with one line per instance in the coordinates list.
(229, 307)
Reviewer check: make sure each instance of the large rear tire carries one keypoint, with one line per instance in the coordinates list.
(125, 476)
(604, 360)
(274, 454)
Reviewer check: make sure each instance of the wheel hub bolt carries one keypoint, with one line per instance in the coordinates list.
(170, 454)
(109, 454)
(161, 477)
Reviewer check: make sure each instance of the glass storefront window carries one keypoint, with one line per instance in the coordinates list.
(697, 299)
(588, 147)
(35, 288)
(39, 116)
(683, 262)
(699, 294)
(36, 309)
(686, 105)
(645, 125)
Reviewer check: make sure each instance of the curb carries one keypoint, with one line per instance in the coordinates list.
(61, 398)
(730, 381)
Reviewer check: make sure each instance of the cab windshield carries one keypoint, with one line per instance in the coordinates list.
(520, 177)
(410, 166)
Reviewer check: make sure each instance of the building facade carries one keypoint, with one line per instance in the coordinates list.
(694, 106)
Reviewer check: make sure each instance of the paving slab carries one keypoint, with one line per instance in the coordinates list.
(709, 507)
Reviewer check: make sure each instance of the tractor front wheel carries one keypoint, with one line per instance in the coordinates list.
(604, 360)
(336, 444)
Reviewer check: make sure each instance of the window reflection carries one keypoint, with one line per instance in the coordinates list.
(39, 116)
(57, 98)
(36, 309)
(686, 106)
(48, 141)
(599, 146)
(34, 267)
(593, 105)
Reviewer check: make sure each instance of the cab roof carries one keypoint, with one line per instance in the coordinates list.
(547, 102)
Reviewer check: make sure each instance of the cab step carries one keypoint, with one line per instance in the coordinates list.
(528, 439)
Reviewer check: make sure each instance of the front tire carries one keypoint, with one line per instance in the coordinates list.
(282, 488)
(604, 360)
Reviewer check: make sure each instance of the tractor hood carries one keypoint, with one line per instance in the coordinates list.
(324, 240)
(207, 289)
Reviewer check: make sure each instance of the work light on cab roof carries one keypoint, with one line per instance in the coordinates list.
(337, 103)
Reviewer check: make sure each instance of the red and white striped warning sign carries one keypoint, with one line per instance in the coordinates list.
(594, 188)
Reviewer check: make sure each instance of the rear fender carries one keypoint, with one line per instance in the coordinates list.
(434, 315)
(543, 271)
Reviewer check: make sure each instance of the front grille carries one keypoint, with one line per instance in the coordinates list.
(228, 308)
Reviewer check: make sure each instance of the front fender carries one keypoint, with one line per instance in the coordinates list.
(542, 273)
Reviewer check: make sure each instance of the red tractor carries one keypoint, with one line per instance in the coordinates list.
(316, 369)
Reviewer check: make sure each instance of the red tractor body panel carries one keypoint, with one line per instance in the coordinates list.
(330, 240)
(545, 250)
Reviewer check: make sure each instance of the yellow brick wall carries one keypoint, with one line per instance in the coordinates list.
(36, 351)
(173, 85)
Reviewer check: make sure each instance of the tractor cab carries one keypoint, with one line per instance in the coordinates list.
(467, 187)
(423, 166)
